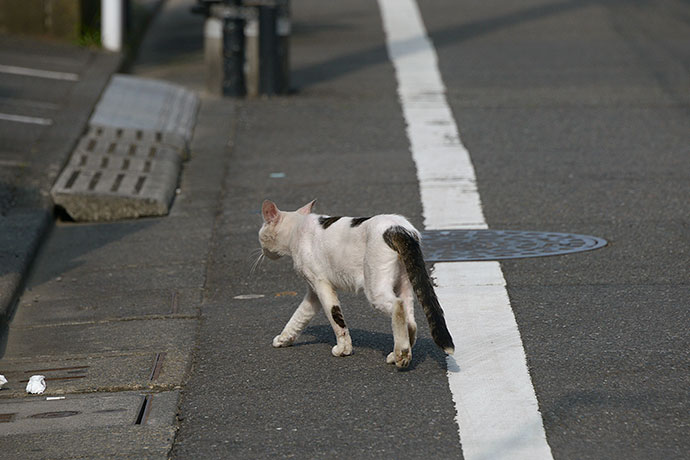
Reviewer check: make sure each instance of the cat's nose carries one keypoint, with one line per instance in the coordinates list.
(271, 255)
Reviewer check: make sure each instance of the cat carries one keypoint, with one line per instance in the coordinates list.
(380, 255)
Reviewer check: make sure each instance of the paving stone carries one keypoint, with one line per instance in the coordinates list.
(104, 443)
(83, 280)
(45, 310)
(123, 244)
(85, 374)
(36, 414)
(99, 338)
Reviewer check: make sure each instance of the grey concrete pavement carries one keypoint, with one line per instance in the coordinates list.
(110, 316)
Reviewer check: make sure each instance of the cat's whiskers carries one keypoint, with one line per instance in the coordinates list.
(258, 260)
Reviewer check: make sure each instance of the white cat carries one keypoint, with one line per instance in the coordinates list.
(379, 254)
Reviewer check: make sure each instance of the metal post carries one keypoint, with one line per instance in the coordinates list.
(283, 57)
(213, 55)
(251, 34)
(112, 20)
(268, 49)
(233, 53)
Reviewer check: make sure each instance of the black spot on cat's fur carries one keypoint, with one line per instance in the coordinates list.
(357, 221)
(328, 221)
(338, 316)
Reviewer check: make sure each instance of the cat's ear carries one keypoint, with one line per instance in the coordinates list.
(306, 209)
(270, 212)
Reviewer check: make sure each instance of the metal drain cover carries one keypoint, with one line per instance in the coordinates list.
(127, 163)
(469, 245)
(109, 179)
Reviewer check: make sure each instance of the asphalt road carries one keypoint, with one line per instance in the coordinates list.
(575, 115)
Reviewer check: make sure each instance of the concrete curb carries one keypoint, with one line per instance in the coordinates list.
(22, 231)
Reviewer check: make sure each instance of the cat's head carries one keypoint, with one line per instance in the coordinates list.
(275, 233)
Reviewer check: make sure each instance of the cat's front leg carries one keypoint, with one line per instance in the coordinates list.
(299, 320)
(331, 307)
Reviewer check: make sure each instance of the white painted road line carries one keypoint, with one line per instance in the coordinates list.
(25, 119)
(39, 73)
(13, 101)
(496, 408)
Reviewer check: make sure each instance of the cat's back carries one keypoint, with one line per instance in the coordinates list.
(380, 223)
(377, 224)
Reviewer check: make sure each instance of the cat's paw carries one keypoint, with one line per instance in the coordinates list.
(342, 349)
(401, 358)
(281, 341)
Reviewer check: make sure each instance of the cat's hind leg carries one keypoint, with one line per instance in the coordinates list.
(394, 306)
(380, 288)
(402, 349)
(299, 320)
(331, 307)
(406, 293)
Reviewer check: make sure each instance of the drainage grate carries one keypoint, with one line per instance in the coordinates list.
(127, 163)
(109, 179)
(100, 133)
(474, 245)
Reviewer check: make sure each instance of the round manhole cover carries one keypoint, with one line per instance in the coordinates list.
(468, 245)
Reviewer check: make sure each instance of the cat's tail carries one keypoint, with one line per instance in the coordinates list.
(406, 243)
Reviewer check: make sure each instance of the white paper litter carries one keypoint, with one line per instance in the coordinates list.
(36, 385)
(3, 380)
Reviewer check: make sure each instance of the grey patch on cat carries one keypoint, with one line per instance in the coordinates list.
(328, 221)
(338, 316)
(357, 221)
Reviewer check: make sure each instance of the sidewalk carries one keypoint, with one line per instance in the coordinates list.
(110, 311)
(144, 326)
(54, 108)
(49, 90)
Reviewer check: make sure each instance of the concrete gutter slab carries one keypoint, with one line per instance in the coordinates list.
(101, 338)
(87, 374)
(128, 162)
(141, 303)
(93, 285)
(147, 105)
(36, 415)
(89, 195)
(112, 442)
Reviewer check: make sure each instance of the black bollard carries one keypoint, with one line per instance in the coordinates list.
(233, 53)
(268, 49)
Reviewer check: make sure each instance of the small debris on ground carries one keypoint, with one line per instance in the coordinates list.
(36, 385)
